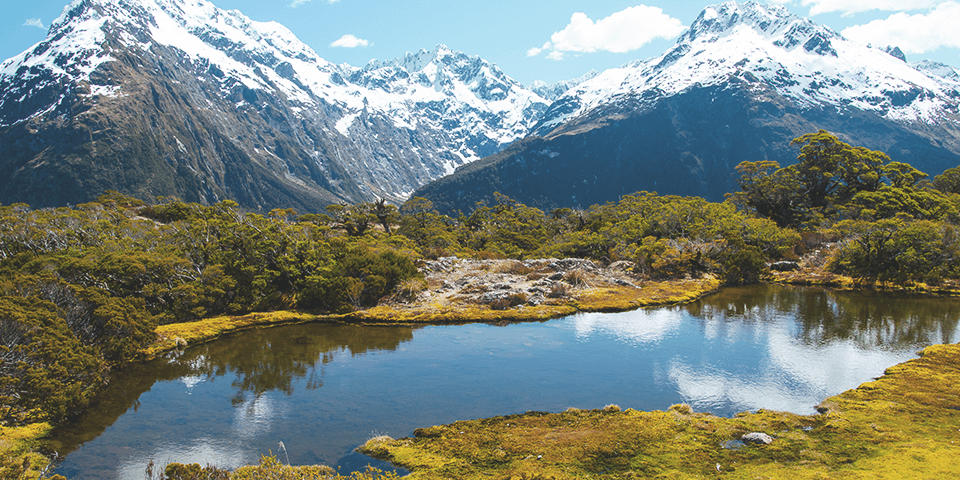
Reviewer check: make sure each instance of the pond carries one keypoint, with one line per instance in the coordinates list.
(323, 389)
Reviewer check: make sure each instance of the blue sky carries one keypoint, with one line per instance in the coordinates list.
(549, 41)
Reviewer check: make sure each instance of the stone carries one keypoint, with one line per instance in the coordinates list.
(784, 266)
(757, 438)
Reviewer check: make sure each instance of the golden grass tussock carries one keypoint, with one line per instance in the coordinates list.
(904, 425)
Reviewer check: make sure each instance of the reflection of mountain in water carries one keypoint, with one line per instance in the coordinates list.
(261, 360)
(870, 319)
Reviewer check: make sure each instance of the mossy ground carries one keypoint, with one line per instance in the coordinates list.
(17, 457)
(814, 277)
(904, 425)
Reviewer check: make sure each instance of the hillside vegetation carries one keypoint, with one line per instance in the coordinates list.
(83, 290)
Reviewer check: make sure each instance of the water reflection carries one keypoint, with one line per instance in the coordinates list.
(323, 389)
(642, 326)
(811, 341)
(273, 360)
(871, 319)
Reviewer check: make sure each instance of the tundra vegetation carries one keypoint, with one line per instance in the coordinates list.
(86, 289)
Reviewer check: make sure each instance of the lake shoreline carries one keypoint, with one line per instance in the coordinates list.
(606, 295)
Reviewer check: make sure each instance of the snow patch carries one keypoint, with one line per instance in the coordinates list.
(343, 125)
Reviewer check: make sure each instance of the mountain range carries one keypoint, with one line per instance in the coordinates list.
(738, 85)
(180, 98)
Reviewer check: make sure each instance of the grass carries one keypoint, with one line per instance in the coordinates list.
(904, 425)
(653, 294)
(18, 460)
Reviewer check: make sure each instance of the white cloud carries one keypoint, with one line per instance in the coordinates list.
(350, 41)
(297, 3)
(624, 31)
(33, 22)
(849, 7)
(917, 33)
(555, 55)
(533, 52)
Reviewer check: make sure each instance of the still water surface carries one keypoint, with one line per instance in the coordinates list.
(324, 389)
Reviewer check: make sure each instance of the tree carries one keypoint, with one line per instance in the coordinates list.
(832, 171)
(948, 181)
(386, 214)
(773, 192)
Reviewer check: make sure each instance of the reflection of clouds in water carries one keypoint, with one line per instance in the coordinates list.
(191, 381)
(198, 364)
(709, 389)
(205, 451)
(843, 364)
(639, 326)
(254, 415)
(792, 376)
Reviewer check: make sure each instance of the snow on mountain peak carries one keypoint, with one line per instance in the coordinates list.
(767, 47)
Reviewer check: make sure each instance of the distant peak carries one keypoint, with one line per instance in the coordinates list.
(774, 22)
(896, 52)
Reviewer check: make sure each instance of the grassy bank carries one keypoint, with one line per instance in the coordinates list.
(821, 278)
(18, 458)
(180, 335)
(903, 425)
(610, 299)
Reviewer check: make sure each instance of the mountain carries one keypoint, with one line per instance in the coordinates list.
(181, 98)
(738, 85)
(552, 91)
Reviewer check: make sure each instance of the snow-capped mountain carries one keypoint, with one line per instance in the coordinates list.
(739, 84)
(179, 97)
(767, 46)
(552, 91)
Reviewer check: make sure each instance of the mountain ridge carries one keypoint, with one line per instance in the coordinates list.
(181, 98)
(679, 123)
(294, 122)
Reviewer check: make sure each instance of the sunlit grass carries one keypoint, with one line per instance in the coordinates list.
(17, 459)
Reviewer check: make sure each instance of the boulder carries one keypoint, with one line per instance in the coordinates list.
(757, 438)
(784, 266)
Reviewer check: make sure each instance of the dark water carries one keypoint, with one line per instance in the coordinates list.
(324, 389)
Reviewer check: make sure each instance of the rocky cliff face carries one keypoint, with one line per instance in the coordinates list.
(742, 82)
(178, 97)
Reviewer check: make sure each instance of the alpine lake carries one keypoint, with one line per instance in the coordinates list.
(312, 393)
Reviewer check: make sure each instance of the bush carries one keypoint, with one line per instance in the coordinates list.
(515, 268)
(510, 301)
(577, 278)
(559, 290)
(743, 264)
